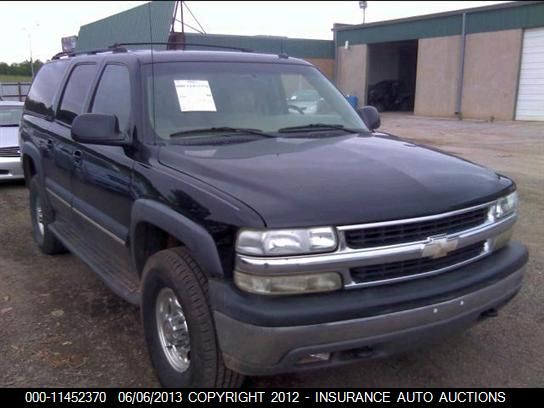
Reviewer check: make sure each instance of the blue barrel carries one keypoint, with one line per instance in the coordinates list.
(353, 101)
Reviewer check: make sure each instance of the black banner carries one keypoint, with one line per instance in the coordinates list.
(42, 397)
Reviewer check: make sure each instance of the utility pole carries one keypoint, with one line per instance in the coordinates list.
(29, 33)
(178, 37)
(363, 5)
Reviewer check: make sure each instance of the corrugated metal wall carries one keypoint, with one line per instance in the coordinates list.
(129, 26)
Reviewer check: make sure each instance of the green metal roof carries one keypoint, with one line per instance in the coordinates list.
(483, 19)
(129, 26)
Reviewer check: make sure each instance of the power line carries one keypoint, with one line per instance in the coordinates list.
(191, 27)
(189, 10)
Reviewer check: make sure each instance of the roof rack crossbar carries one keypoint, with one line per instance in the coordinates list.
(184, 44)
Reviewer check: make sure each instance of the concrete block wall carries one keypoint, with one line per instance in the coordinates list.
(492, 64)
(438, 71)
(325, 65)
(352, 70)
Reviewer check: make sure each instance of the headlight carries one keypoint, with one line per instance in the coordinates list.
(505, 206)
(286, 242)
(288, 284)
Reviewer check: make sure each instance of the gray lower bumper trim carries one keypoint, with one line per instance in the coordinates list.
(13, 167)
(254, 349)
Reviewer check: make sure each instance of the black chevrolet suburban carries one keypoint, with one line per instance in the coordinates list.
(259, 235)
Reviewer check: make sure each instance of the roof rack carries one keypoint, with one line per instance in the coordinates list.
(113, 49)
(119, 47)
(182, 43)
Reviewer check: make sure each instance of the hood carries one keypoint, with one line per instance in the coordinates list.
(9, 136)
(337, 180)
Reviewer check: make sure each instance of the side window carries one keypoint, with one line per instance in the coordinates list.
(113, 94)
(45, 87)
(76, 92)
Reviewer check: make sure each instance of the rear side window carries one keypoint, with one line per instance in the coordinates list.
(75, 92)
(44, 88)
(113, 94)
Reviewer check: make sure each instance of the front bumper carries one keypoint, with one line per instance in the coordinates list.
(11, 168)
(256, 345)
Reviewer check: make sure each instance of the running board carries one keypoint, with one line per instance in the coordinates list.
(114, 274)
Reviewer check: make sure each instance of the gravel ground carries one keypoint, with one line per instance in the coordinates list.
(60, 325)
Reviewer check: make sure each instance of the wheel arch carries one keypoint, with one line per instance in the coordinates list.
(181, 231)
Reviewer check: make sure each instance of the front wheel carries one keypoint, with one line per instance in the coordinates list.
(178, 324)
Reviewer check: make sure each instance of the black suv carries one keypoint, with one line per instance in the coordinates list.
(256, 236)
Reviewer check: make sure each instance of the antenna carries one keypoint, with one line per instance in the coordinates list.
(152, 64)
(179, 16)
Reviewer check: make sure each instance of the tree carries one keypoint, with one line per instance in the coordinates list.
(20, 68)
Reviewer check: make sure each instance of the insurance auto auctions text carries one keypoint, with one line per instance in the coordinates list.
(348, 396)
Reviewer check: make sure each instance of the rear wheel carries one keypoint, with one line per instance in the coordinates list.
(178, 324)
(40, 216)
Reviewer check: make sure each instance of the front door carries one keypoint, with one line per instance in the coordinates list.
(102, 178)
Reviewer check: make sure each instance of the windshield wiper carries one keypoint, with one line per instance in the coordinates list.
(222, 129)
(318, 126)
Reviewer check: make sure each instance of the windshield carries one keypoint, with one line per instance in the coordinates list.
(186, 96)
(10, 115)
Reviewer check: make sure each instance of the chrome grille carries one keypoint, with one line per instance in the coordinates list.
(370, 273)
(472, 234)
(414, 231)
(12, 151)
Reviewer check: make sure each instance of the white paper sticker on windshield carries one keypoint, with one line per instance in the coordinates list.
(194, 95)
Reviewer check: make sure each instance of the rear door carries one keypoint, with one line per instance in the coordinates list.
(101, 181)
(62, 149)
(38, 115)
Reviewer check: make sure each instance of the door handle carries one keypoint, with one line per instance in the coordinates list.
(47, 145)
(77, 156)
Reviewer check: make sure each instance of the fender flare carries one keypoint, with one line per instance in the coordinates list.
(194, 236)
(30, 150)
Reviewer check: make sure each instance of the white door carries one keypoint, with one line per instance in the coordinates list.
(530, 105)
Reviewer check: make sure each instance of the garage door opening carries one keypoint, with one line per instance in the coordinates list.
(392, 74)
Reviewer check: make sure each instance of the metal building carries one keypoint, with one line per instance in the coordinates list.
(485, 63)
(156, 22)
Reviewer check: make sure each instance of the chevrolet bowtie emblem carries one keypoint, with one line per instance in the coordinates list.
(437, 247)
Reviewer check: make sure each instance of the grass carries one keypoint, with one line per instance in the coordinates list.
(14, 78)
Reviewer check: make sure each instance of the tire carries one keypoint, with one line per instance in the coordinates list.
(173, 272)
(41, 216)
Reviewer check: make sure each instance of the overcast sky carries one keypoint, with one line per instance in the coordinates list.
(48, 21)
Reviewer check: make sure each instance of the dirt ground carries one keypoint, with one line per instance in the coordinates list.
(61, 326)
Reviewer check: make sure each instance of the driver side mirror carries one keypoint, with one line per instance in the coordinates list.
(370, 116)
(97, 128)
